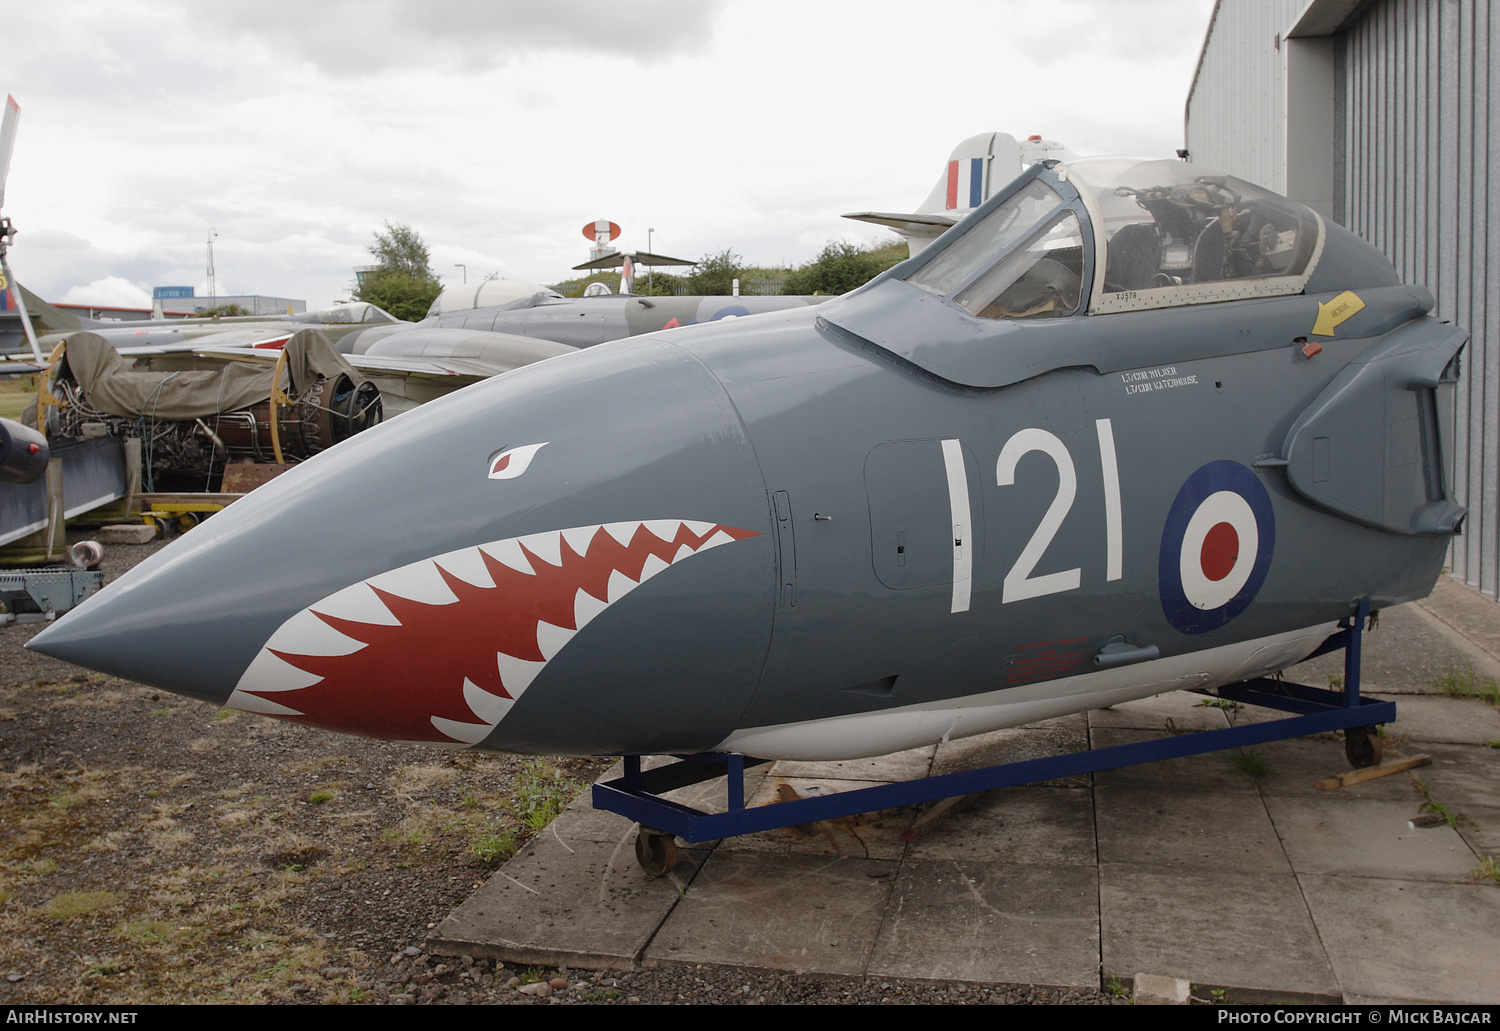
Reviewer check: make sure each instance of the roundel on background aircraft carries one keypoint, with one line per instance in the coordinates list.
(1216, 547)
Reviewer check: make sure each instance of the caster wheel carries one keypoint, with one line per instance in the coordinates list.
(655, 851)
(187, 521)
(1362, 747)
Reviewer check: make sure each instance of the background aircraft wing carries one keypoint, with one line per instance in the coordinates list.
(638, 257)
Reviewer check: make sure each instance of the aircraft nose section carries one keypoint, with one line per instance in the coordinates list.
(541, 562)
(170, 623)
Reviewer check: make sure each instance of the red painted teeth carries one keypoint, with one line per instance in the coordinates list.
(438, 650)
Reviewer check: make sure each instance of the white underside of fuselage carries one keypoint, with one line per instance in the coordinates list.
(910, 726)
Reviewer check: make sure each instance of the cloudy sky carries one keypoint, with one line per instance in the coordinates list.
(498, 128)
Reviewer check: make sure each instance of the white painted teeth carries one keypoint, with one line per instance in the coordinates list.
(666, 529)
(585, 608)
(462, 733)
(624, 533)
(579, 538)
(550, 639)
(507, 552)
(357, 603)
(468, 565)
(419, 581)
(307, 634)
(545, 546)
(517, 674)
(652, 566)
(488, 707)
(619, 586)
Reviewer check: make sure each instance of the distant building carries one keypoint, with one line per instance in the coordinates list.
(1383, 116)
(179, 301)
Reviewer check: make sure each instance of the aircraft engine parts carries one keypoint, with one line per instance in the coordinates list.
(193, 423)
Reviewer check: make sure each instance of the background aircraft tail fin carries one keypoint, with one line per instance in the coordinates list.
(976, 168)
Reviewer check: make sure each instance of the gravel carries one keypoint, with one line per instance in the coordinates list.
(154, 849)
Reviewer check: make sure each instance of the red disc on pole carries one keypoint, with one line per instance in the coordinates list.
(593, 229)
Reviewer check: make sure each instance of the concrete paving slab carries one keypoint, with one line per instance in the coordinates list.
(807, 914)
(1463, 612)
(1405, 652)
(961, 920)
(1015, 745)
(1190, 883)
(1368, 839)
(1250, 934)
(1299, 763)
(587, 905)
(1169, 828)
(1409, 941)
(898, 766)
(1461, 776)
(1483, 835)
(874, 835)
(1184, 708)
(1036, 825)
(1460, 721)
(1210, 771)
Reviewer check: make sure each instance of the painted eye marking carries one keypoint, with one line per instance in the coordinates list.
(507, 465)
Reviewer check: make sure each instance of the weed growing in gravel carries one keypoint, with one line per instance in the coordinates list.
(1466, 683)
(321, 795)
(1249, 763)
(493, 848)
(541, 793)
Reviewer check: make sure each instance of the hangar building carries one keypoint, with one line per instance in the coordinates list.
(1385, 116)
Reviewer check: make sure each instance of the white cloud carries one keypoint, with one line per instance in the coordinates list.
(497, 128)
(109, 292)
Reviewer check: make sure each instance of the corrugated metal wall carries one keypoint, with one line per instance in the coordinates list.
(1419, 125)
(1239, 86)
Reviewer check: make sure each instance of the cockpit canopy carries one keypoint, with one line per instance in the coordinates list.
(1170, 234)
(492, 293)
(349, 313)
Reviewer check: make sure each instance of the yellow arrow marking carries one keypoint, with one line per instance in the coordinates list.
(1336, 312)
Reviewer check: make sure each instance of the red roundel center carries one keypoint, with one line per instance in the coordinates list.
(1221, 550)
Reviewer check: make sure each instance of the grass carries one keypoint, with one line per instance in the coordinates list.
(1466, 683)
(1223, 704)
(494, 847)
(1487, 870)
(16, 392)
(1435, 808)
(1247, 762)
(73, 904)
(542, 794)
(322, 795)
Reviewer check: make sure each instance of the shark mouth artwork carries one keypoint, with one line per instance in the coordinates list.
(439, 650)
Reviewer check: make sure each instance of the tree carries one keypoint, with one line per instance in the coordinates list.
(403, 283)
(222, 311)
(716, 273)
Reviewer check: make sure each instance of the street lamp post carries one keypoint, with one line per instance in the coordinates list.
(650, 285)
(459, 264)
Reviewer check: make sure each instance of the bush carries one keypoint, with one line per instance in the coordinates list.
(840, 267)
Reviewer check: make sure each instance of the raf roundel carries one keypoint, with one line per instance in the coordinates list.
(1216, 547)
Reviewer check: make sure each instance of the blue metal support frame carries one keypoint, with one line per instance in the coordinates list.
(636, 796)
